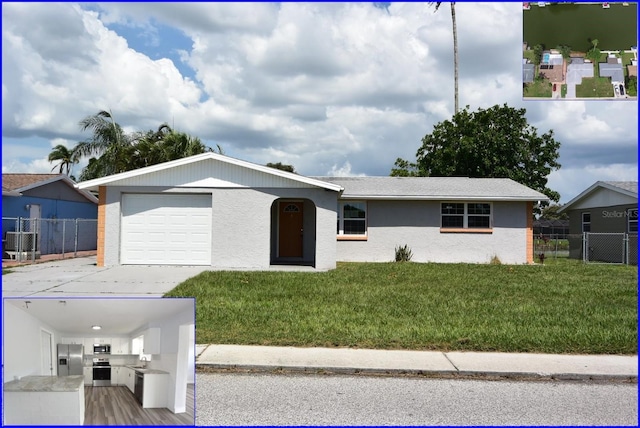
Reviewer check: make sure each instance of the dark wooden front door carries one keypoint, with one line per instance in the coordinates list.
(290, 229)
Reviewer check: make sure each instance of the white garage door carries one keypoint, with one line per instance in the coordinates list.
(166, 229)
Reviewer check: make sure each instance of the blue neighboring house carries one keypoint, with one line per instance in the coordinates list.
(48, 197)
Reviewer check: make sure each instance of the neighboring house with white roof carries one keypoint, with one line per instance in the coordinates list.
(213, 210)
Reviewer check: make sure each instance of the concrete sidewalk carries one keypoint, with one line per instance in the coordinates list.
(445, 364)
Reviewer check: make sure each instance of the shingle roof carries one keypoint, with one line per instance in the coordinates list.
(453, 188)
(612, 70)
(13, 184)
(18, 181)
(528, 71)
(629, 186)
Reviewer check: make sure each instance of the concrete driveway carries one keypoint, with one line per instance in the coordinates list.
(81, 277)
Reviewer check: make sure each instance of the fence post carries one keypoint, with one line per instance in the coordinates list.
(64, 233)
(34, 230)
(585, 245)
(19, 230)
(625, 248)
(75, 243)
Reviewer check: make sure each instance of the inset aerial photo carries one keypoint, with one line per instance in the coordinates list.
(580, 51)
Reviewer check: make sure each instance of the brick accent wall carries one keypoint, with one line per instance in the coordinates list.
(102, 198)
(530, 232)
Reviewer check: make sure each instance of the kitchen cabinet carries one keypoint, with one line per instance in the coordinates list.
(147, 343)
(154, 393)
(88, 375)
(88, 346)
(115, 373)
(151, 341)
(120, 346)
(72, 340)
(129, 378)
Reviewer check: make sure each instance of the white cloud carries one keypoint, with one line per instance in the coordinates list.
(342, 88)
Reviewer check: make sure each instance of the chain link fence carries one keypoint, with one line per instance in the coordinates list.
(26, 239)
(617, 248)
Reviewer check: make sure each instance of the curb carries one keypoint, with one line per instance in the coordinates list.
(440, 374)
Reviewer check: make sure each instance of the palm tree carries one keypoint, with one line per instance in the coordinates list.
(109, 143)
(455, 50)
(67, 158)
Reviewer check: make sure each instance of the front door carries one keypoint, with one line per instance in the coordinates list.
(290, 229)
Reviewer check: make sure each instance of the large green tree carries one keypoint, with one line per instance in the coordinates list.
(496, 142)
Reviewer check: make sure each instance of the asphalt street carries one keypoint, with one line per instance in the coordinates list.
(262, 399)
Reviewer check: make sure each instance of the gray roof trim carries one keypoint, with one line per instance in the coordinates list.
(61, 177)
(623, 187)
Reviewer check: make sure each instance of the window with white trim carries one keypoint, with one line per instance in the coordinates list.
(460, 215)
(586, 222)
(352, 218)
(632, 220)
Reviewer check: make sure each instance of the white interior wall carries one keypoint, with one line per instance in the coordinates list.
(21, 343)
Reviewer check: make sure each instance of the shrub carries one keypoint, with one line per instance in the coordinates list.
(403, 254)
(495, 260)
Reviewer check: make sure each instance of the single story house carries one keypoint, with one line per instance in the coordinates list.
(528, 71)
(46, 197)
(213, 210)
(606, 207)
(613, 69)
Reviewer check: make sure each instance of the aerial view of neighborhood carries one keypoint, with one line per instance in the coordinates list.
(580, 50)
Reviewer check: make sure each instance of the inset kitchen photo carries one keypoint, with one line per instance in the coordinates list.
(586, 51)
(88, 361)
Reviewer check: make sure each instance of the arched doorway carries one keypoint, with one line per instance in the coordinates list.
(293, 232)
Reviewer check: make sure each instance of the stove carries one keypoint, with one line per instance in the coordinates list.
(101, 372)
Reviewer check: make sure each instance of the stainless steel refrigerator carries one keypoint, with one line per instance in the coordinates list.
(69, 360)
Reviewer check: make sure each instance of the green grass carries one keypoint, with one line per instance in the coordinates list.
(538, 89)
(561, 307)
(599, 87)
(6, 271)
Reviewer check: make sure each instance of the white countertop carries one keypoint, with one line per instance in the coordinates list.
(45, 384)
(146, 371)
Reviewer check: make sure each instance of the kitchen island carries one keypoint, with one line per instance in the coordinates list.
(44, 400)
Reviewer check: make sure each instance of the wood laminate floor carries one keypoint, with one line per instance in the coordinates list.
(116, 405)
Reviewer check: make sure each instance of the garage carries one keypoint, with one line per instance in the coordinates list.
(166, 229)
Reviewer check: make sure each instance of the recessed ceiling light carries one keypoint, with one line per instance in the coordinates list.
(96, 327)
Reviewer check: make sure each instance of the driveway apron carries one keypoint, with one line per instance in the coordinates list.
(81, 277)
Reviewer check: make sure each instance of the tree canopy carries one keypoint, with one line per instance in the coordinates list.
(111, 150)
(496, 142)
(281, 166)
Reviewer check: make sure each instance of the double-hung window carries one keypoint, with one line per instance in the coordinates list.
(632, 220)
(352, 219)
(586, 222)
(466, 215)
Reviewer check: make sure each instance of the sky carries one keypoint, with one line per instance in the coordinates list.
(338, 89)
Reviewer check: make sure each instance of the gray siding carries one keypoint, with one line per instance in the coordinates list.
(242, 224)
(417, 224)
(603, 219)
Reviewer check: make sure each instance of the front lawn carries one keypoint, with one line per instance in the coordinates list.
(539, 88)
(563, 306)
(599, 87)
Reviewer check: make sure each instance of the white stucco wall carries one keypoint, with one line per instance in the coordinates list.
(417, 224)
(241, 224)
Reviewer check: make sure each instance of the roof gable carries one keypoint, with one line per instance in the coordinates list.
(604, 194)
(17, 184)
(208, 170)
